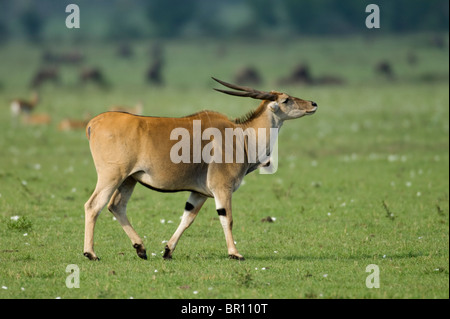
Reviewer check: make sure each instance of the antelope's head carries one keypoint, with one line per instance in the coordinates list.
(284, 106)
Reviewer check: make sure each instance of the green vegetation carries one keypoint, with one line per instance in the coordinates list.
(245, 19)
(363, 181)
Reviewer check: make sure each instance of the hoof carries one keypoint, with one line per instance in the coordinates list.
(236, 257)
(91, 256)
(167, 253)
(140, 250)
(142, 255)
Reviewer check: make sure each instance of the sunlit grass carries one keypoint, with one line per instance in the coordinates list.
(363, 181)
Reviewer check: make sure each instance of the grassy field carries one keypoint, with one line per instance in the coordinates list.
(363, 181)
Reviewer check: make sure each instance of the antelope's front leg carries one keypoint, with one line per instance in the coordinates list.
(223, 207)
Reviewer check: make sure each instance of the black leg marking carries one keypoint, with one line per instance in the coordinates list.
(140, 251)
(188, 207)
(222, 212)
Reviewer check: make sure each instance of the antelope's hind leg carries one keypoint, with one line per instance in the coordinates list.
(118, 207)
(98, 200)
(193, 205)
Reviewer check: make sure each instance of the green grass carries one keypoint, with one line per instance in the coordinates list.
(363, 181)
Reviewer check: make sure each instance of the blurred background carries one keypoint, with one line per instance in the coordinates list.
(125, 28)
(135, 54)
(115, 20)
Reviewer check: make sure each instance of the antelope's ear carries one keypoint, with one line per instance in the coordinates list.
(273, 106)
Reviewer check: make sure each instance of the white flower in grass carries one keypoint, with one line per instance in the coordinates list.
(392, 158)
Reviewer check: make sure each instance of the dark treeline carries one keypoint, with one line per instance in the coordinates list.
(120, 19)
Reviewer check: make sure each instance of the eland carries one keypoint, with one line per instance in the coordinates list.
(128, 149)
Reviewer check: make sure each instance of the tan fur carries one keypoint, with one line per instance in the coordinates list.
(37, 119)
(72, 124)
(127, 149)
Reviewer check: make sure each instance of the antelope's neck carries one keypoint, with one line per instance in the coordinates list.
(265, 118)
(268, 124)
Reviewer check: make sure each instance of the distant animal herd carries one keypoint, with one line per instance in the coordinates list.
(51, 62)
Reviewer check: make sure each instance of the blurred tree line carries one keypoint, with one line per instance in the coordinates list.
(130, 19)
